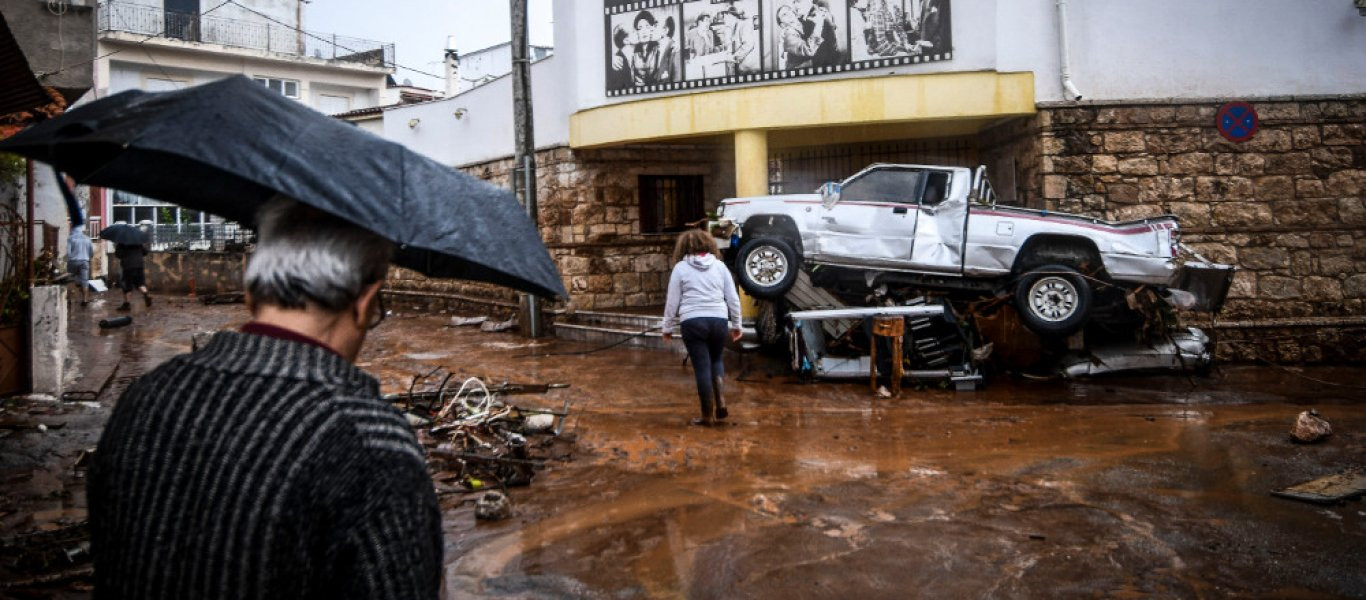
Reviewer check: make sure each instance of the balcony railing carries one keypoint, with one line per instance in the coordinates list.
(240, 33)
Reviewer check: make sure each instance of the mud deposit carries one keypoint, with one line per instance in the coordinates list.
(1139, 487)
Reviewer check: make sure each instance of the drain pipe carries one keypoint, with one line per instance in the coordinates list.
(1067, 87)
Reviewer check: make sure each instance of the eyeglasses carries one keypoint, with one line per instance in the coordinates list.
(378, 317)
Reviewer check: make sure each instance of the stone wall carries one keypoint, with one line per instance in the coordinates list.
(590, 220)
(1285, 207)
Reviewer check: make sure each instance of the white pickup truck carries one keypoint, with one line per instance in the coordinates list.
(940, 227)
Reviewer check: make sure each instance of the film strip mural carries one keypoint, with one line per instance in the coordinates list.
(669, 45)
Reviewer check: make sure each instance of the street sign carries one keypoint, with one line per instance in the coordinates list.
(1237, 121)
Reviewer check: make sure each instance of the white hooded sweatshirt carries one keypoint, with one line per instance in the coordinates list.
(700, 286)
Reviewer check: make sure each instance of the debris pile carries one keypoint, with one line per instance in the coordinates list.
(476, 440)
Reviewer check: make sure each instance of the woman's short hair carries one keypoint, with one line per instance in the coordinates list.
(694, 241)
(646, 16)
(305, 256)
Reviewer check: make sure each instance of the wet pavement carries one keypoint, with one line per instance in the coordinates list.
(1122, 487)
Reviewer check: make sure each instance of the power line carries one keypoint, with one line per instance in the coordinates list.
(297, 29)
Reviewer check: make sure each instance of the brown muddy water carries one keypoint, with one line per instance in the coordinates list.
(1125, 487)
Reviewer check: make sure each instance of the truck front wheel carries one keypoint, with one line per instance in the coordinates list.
(767, 267)
(1053, 300)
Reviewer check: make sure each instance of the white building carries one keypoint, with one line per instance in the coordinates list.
(161, 45)
(470, 70)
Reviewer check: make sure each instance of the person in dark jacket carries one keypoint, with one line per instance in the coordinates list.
(703, 304)
(265, 464)
(132, 276)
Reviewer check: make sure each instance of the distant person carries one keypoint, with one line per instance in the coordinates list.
(703, 304)
(132, 275)
(265, 464)
(78, 250)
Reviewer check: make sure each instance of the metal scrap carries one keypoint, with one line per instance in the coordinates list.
(475, 439)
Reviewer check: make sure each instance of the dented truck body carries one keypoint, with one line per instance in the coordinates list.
(936, 224)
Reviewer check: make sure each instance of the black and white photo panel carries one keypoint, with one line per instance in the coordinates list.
(882, 29)
(806, 34)
(645, 49)
(720, 40)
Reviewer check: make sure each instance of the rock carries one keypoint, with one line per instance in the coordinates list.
(1310, 427)
(493, 506)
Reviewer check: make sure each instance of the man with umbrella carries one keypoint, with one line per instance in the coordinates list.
(265, 464)
(130, 247)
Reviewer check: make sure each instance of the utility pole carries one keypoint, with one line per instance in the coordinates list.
(524, 173)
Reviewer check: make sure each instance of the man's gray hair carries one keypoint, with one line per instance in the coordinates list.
(304, 256)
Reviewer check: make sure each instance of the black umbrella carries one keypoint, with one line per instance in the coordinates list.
(126, 235)
(229, 146)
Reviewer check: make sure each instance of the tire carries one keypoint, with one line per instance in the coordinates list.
(769, 326)
(1053, 300)
(767, 267)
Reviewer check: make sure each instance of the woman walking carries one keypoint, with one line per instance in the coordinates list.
(704, 305)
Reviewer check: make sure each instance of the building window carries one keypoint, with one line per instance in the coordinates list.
(288, 87)
(669, 202)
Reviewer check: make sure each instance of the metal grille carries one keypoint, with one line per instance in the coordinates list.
(802, 170)
(239, 33)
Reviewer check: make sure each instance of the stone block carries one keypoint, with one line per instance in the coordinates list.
(1262, 259)
(1054, 187)
(1069, 164)
(1138, 166)
(1181, 188)
(1125, 141)
(1354, 286)
(1250, 164)
(1350, 182)
(1277, 111)
(1051, 146)
(1289, 163)
(1323, 240)
(1270, 140)
(1123, 193)
(1274, 187)
(1104, 163)
(1305, 138)
(1138, 211)
(620, 263)
(576, 265)
(1352, 211)
(1244, 284)
(1277, 287)
(1172, 143)
(1292, 240)
(626, 283)
(1192, 214)
(1225, 164)
(1336, 265)
(1306, 212)
(1152, 189)
(1343, 135)
(1217, 189)
(1309, 188)
(1191, 163)
(1242, 213)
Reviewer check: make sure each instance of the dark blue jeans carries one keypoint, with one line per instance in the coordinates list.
(705, 339)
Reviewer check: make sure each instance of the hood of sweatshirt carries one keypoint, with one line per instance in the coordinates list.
(701, 262)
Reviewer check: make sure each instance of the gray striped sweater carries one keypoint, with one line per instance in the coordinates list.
(261, 468)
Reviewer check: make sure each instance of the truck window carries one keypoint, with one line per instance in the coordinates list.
(936, 188)
(883, 185)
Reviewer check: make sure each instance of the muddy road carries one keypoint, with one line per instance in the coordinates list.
(1133, 487)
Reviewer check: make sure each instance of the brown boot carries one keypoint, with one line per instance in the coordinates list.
(718, 399)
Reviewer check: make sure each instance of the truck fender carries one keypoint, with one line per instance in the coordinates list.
(1046, 249)
(771, 225)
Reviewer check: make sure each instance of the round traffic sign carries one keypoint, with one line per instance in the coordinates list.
(1237, 121)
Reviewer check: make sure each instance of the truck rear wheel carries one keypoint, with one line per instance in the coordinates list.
(767, 267)
(1053, 300)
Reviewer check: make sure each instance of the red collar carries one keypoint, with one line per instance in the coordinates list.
(267, 330)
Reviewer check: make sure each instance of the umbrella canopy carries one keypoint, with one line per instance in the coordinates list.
(229, 146)
(126, 235)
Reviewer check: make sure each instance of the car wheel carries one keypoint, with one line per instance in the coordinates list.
(1053, 300)
(767, 267)
(768, 324)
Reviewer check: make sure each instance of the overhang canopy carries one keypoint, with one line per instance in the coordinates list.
(853, 108)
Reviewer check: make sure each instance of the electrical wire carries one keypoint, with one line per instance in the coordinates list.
(297, 29)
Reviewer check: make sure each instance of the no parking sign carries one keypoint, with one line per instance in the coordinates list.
(1237, 121)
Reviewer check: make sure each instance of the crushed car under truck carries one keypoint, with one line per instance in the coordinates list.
(894, 233)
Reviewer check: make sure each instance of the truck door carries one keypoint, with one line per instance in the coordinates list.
(875, 217)
(940, 226)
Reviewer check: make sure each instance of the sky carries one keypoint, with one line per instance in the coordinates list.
(418, 28)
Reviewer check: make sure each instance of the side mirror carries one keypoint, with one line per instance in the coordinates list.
(830, 194)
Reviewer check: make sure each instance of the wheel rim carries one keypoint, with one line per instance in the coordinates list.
(766, 266)
(1053, 299)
